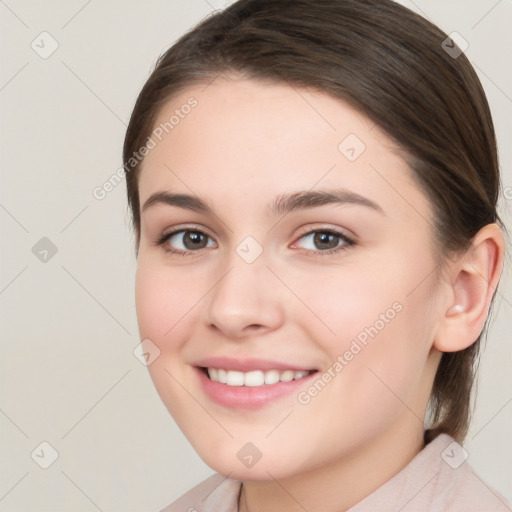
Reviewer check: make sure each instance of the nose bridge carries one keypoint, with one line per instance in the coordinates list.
(244, 298)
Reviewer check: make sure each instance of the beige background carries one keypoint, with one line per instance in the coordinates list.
(68, 375)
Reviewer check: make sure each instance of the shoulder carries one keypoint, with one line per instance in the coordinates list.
(456, 486)
(438, 479)
(215, 494)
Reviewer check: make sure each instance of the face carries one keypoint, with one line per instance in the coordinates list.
(283, 279)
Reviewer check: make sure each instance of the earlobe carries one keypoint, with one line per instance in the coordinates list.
(475, 277)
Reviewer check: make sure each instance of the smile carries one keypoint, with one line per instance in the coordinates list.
(254, 378)
(250, 385)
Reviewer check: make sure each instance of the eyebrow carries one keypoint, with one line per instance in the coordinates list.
(283, 204)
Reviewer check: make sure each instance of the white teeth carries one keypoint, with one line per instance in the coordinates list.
(234, 378)
(221, 376)
(254, 378)
(287, 376)
(271, 377)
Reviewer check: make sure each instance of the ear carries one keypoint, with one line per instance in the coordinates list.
(473, 280)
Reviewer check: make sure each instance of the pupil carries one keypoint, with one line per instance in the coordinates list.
(325, 240)
(192, 240)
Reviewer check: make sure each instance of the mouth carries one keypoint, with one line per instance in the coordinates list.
(251, 388)
(254, 378)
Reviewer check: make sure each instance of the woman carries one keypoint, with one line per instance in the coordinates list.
(313, 187)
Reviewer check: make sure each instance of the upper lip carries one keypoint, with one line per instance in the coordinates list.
(248, 364)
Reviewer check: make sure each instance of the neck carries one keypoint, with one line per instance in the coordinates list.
(339, 485)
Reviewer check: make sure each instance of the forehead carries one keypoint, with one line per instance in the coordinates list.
(243, 141)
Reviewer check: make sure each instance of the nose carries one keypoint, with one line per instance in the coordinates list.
(245, 301)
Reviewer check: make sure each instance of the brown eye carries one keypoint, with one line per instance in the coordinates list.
(194, 240)
(186, 241)
(325, 241)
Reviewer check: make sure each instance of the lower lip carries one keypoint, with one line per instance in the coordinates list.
(248, 397)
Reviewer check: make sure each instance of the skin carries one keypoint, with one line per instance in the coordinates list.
(242, 146)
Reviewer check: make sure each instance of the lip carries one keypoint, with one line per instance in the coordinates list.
(248, 397)
(248, 365)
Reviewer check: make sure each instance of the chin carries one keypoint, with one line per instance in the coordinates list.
(247, 463)
(259, 472)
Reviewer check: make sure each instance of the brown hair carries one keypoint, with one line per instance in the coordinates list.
(392, 65)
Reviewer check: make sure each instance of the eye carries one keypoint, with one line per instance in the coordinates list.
(185, 241)
(319, 242)
(325, 241)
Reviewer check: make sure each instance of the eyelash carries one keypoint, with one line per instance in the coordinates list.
(349, 242)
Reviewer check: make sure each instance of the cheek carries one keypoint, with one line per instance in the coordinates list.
(163, 301)
(376, 327)
(152, 303)
(343, 302)
(365, 296)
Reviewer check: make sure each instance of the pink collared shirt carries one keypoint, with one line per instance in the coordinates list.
(438, 479)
